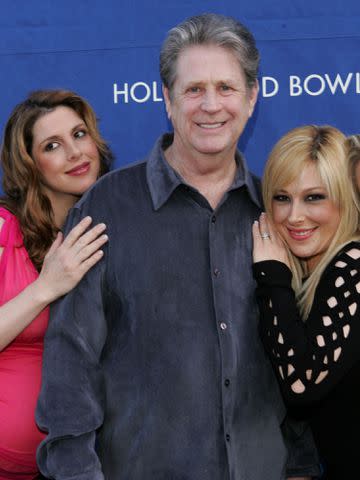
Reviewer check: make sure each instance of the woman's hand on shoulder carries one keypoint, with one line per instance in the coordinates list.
(69, 259)
(267, 244)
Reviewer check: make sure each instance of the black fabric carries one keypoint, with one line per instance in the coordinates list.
(327, 342)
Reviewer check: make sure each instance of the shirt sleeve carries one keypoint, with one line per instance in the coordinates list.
(303, 459)
(71, 405)
(310, 358)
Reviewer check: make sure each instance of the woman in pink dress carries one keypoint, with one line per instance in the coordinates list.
(52, 152)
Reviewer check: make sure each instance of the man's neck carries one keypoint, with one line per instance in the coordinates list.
(211, 175)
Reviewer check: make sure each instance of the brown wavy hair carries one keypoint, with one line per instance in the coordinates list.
(24, 195)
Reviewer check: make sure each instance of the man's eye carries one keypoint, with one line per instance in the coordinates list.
(225, 88)
(51, 146)
(194, 90)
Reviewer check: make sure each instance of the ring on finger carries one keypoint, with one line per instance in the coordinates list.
(264, 235)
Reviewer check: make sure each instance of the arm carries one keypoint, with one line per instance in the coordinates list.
(299, 478)
(303, 461)
(64, 265)
(70, 406)
(309, 358)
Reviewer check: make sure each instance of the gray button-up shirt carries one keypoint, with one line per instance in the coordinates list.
(153, 369)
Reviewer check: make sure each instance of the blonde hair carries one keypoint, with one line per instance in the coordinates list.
(324, 147)
(353, 146)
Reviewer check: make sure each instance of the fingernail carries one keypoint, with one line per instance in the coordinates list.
(256, 222)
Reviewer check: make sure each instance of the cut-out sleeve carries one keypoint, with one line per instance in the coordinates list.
(310, 358)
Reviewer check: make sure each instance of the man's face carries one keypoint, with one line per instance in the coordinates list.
(210, 102)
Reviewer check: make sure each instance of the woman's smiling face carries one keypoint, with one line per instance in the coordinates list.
(305, 216)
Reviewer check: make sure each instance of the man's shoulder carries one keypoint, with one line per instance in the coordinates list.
(257, 184)
(254, 186)
(256, 180)
(122, 174)
(252, 181)
(118, 182)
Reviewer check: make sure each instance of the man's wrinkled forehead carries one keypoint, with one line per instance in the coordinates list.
(193, 61)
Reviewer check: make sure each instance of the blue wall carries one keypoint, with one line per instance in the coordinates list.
(310, 68)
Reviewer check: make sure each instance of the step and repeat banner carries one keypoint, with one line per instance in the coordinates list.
(108, 52)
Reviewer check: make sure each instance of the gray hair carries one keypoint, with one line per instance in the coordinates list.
(210, 29)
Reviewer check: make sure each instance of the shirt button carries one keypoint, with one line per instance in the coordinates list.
(213, 219)
(227, 436)
(223, 326)
(216, 272)
(227, 382)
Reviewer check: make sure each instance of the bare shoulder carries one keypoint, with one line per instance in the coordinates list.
(2, 221)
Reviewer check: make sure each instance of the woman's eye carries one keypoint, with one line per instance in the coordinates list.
(80, 133)
(281, 198)
(51, 146)
(315, 197)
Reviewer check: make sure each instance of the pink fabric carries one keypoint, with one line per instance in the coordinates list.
(20, 362)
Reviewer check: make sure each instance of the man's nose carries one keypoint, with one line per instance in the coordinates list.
(211, 101)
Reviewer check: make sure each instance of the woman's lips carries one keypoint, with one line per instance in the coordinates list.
(301, 234)
(79, 169)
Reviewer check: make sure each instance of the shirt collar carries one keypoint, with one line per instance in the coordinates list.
(243, 177)
(163, 179)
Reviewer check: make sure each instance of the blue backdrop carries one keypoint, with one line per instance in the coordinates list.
(108, 52)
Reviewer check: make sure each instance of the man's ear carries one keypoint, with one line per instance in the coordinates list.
(253, 96)
(166, 95)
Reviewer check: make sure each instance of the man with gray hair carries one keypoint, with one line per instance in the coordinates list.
(153, 369)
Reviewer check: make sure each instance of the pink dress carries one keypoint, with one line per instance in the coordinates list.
(20, 363)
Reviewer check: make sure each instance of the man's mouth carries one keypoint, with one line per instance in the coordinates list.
(211, 126)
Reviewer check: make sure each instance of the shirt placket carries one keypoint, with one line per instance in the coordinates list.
(223, 325)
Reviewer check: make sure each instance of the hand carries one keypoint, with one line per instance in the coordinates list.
(299, 478)
(68, 260)
(267, 244)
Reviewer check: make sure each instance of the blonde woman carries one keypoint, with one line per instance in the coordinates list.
(307, 267)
